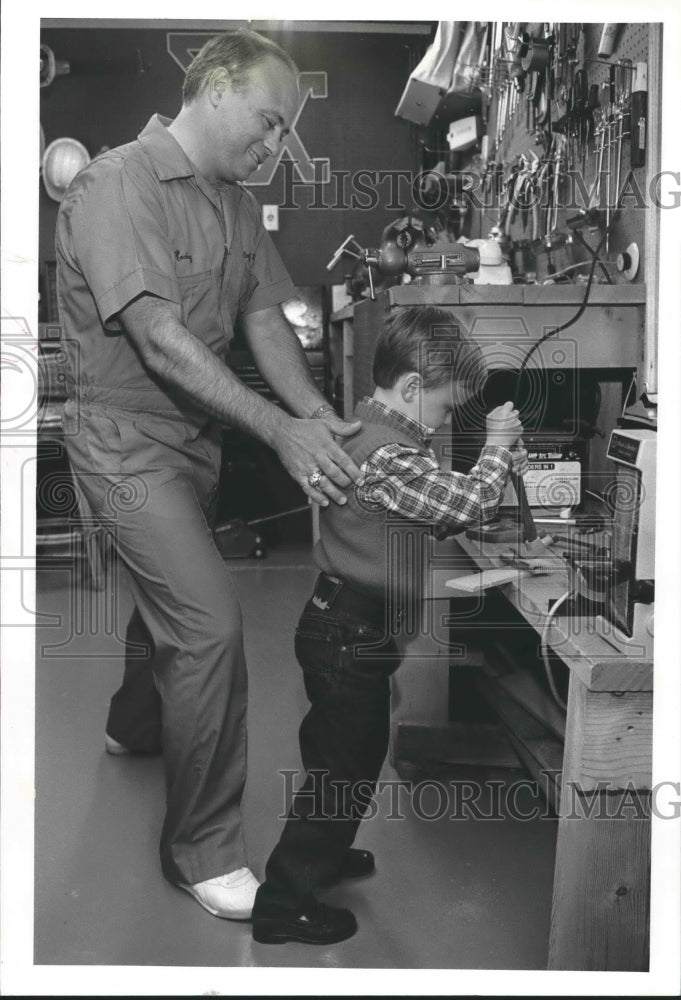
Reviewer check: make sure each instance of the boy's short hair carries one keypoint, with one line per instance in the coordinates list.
(432, 342)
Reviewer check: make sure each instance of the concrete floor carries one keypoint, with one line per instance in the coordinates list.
(447, 894)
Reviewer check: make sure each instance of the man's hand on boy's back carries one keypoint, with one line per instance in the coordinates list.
(503, 426)
(308, 450)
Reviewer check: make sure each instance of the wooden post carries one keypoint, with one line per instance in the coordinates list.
(601, 895)
(651, 249)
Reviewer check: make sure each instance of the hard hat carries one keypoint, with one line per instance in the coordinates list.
(62, 160)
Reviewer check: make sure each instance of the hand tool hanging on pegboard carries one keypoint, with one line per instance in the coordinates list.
(543, 183)
(580, 100)
(600, 114)
(530, 88)
(623, 114)
(559, 98)
(609, 142)
(517, 75)
(541, 85)
(508, 92)
(507, 195)
(559, 155)
(513, 85)
(523, 197)
(516, 181)
(535, 60)
(534, 194)
(486, 71)
(565, 61)
(543, 95)
(570, 123)
(592, 109)
(528, 197)
(639, 115)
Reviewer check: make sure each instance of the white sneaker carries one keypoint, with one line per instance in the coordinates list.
(229, 896)
(113, 747)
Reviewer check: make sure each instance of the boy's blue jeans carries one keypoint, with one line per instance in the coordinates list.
(347, 661)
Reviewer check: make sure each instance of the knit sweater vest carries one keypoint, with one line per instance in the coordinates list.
(377, 552)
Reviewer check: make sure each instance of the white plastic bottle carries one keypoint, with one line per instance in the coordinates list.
(493, 268)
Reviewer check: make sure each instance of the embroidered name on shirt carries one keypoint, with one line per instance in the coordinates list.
(183, 256)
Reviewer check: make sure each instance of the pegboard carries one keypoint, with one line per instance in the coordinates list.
(629, 223)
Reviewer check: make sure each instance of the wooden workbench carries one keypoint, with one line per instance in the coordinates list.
(600, 910)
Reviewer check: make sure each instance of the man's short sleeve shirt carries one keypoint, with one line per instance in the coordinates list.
(140, 219)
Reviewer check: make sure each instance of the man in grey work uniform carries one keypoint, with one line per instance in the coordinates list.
(159, 251)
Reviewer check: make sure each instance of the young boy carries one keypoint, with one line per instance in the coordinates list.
(423, 369)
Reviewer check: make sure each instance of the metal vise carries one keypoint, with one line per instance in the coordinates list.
(407, 248)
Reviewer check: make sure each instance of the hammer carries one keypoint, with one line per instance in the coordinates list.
(533, 545)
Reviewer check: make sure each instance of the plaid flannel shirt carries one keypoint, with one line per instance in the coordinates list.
(401, 479)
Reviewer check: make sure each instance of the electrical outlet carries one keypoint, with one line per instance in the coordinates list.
(270, 217)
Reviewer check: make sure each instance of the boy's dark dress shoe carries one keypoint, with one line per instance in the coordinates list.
(357, 864)
(313, 923)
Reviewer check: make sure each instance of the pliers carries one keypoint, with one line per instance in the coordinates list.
(515, 186)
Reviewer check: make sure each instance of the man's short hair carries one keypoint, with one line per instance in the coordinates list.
(235, 51)
(432, 342)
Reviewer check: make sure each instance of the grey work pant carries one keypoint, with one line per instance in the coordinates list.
(152, 480)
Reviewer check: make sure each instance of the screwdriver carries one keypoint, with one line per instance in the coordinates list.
(610, 129)
(592, 104)
(597, 194)
(623, 96)
(639, 114)
(580, 94)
